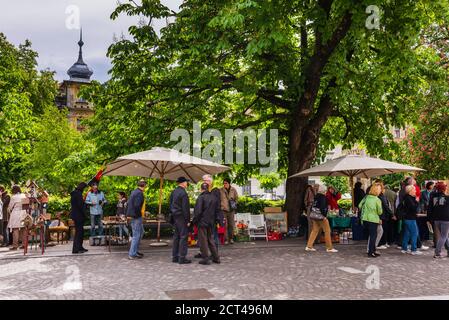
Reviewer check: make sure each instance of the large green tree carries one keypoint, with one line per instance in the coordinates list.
(60, 156)
(427, 142)
(315, 70)
(24, 94)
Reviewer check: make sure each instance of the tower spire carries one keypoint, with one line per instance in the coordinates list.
(81, 44)
(80, 70)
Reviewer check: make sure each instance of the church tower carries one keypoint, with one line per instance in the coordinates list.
(79, 74)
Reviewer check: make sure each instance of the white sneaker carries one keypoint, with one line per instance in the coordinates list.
(310, 249)
(382, 247)
(416, 253)
(331, 250)
(424, 248)
(399, 247)
(387, 245)
(405, 251)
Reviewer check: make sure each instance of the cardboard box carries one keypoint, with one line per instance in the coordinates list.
(272, 209)
(97, 241)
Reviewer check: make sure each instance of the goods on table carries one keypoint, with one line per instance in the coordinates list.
(335, 237)
(97, 241)
(274, 235)
(242, 234)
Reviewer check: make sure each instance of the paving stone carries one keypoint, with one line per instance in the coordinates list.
(256, 272)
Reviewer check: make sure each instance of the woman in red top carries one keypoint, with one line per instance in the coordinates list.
(332, 197)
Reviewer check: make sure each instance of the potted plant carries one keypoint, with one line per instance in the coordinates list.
(345, 205)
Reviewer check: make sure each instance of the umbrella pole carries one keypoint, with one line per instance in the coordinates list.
(351, 185)
(161, 184)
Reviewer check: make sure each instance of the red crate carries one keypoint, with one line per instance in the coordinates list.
(274, 236)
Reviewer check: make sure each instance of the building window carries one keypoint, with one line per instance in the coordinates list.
(246, 189)
(397, 133)
(268, 190)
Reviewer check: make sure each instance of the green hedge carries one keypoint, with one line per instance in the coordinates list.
(245, 204)
(57, 204)
(256, 206)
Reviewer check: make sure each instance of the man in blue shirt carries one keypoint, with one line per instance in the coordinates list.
(96, 200)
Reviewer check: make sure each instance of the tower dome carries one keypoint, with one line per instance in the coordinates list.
(80, 71)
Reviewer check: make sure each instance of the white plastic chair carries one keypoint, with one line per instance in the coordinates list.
(257, 227)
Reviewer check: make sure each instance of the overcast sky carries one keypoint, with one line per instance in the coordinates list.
(44, 23)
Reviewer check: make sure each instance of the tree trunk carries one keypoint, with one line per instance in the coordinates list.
(303, 146)
(306, 125)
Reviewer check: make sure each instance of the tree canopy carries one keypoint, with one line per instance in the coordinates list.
(427, 143)
(311, 69)
(24, 94)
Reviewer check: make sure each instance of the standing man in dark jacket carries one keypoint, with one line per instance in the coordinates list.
(5, 198)
(135, 210)
(78, 216)
(219, 216)
(204, 218)
(180, 219)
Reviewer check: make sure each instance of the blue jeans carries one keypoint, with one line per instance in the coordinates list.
(410, 234)
(215, 231)
(96, 220)
(122, 228)
(136, 227)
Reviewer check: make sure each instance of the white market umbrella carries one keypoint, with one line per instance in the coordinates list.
(163, 164)
(356, 166)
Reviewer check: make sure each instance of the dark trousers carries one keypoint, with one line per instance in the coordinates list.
(388, 233)
(4, 232)
(180, 238)
(206, 242)
(79, 234)
(372, 230)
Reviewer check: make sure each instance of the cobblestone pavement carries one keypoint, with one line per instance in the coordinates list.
(251, 271)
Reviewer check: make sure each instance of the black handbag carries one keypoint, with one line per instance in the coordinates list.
(232, 205)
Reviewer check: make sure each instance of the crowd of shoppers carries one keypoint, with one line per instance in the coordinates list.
(389, 216)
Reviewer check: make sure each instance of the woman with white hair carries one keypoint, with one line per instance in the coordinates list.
(319, 221)
(411, 206)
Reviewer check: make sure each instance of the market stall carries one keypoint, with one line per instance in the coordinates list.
(36, 220)
(353, 166)
(163, 164)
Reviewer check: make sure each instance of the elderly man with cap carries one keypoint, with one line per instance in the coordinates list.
(135, 210)
(204, 218)
(180, 219)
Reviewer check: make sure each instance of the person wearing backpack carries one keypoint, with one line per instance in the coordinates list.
(410, 209)
(438, 211)
(371, 207)
(319, 221)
